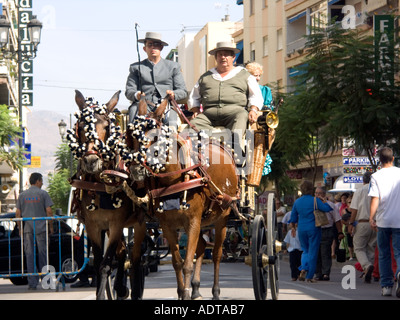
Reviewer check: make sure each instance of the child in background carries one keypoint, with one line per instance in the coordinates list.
(294, 249)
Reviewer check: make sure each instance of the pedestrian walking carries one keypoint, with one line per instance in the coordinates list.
(294, 248)
(309, 234)
(385, 216)
(364, 237)
(324, 262)
(34, 203)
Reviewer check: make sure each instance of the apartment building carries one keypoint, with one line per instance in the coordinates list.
(9, 96)
(273, 35)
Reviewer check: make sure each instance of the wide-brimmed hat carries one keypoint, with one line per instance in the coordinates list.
(224, 45)
(153, 36)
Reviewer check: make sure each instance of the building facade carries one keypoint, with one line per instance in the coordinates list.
(273, 35)
(9, 178)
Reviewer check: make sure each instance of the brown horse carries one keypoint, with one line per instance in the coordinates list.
(94, 142)
(205, 189)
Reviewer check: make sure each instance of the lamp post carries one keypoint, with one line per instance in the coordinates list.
(62, 128)
(34, 31)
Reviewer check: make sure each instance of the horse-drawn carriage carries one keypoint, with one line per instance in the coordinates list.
(133, 174)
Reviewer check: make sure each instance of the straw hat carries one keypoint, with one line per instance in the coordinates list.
(153, 36)
(225, 45)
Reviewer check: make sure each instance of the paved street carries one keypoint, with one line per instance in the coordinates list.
(235, 282)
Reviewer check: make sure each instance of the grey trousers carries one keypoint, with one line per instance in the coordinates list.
(29, 247)
(232, 118)
(364, 242)
(170, 116)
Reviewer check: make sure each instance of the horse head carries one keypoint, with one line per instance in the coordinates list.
(94, 142)
(148, 143)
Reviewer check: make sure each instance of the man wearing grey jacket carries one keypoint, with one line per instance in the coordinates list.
(156, 78)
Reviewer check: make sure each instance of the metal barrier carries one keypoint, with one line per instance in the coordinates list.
(55, 276)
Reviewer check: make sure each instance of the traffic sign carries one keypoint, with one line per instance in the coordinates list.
(353, 179)
(36, 162)
(357, 161)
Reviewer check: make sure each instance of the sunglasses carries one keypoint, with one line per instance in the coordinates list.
(154, 44)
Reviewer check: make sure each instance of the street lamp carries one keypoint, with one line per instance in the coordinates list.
(62, 128)
(4, 27)
(34, 31)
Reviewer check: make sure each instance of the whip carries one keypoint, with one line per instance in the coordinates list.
(138, 53)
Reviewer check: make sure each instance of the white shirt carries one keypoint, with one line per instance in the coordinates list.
(385, 184)
(255, 97)
(361, 202)
(333, 216)
(293, 242)
(280, 217)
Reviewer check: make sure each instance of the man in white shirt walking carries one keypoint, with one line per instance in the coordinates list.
(364, 238)
(385, 216)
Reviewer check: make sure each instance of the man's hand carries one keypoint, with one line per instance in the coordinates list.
(196, 111)
(171, 94)
(253, 116)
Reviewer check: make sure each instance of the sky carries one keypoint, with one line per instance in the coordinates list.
(89, 44)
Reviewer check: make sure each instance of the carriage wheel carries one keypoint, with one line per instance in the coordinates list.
(110, 291)
(272, 232)
(258, 247)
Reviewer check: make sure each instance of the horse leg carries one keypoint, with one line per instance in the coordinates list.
(120, 279)
(193, 237)
(220, 234)
(177, 261)
(136, 271)
(201, 246)
(97, 259)
(95, 236)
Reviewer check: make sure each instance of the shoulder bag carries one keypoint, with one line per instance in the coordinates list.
(320, 217)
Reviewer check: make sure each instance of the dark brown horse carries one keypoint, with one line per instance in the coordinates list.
(94, 142)
(205, 188)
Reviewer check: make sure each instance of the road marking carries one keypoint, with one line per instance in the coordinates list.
(308, 287)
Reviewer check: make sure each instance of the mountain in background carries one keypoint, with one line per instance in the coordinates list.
(44, 138)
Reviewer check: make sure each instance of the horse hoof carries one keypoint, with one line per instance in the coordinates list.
(197, 297)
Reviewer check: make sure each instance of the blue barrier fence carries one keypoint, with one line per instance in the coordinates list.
(61, 254)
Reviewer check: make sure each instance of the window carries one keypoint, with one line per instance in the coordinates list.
(319, 16)
(265, 46)
(253, 51)
(279, 40)
(252, 7)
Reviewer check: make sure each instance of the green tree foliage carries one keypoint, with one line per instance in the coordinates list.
(10, 131)
(59, 187)
(336, 97)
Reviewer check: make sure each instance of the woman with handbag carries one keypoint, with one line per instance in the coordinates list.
(309, 233)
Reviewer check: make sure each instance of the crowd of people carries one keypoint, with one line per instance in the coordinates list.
(363, 225)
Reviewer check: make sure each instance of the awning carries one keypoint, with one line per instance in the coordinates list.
(341, 186)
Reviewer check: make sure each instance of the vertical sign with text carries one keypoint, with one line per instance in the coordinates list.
(25, 16)
(384, 51)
